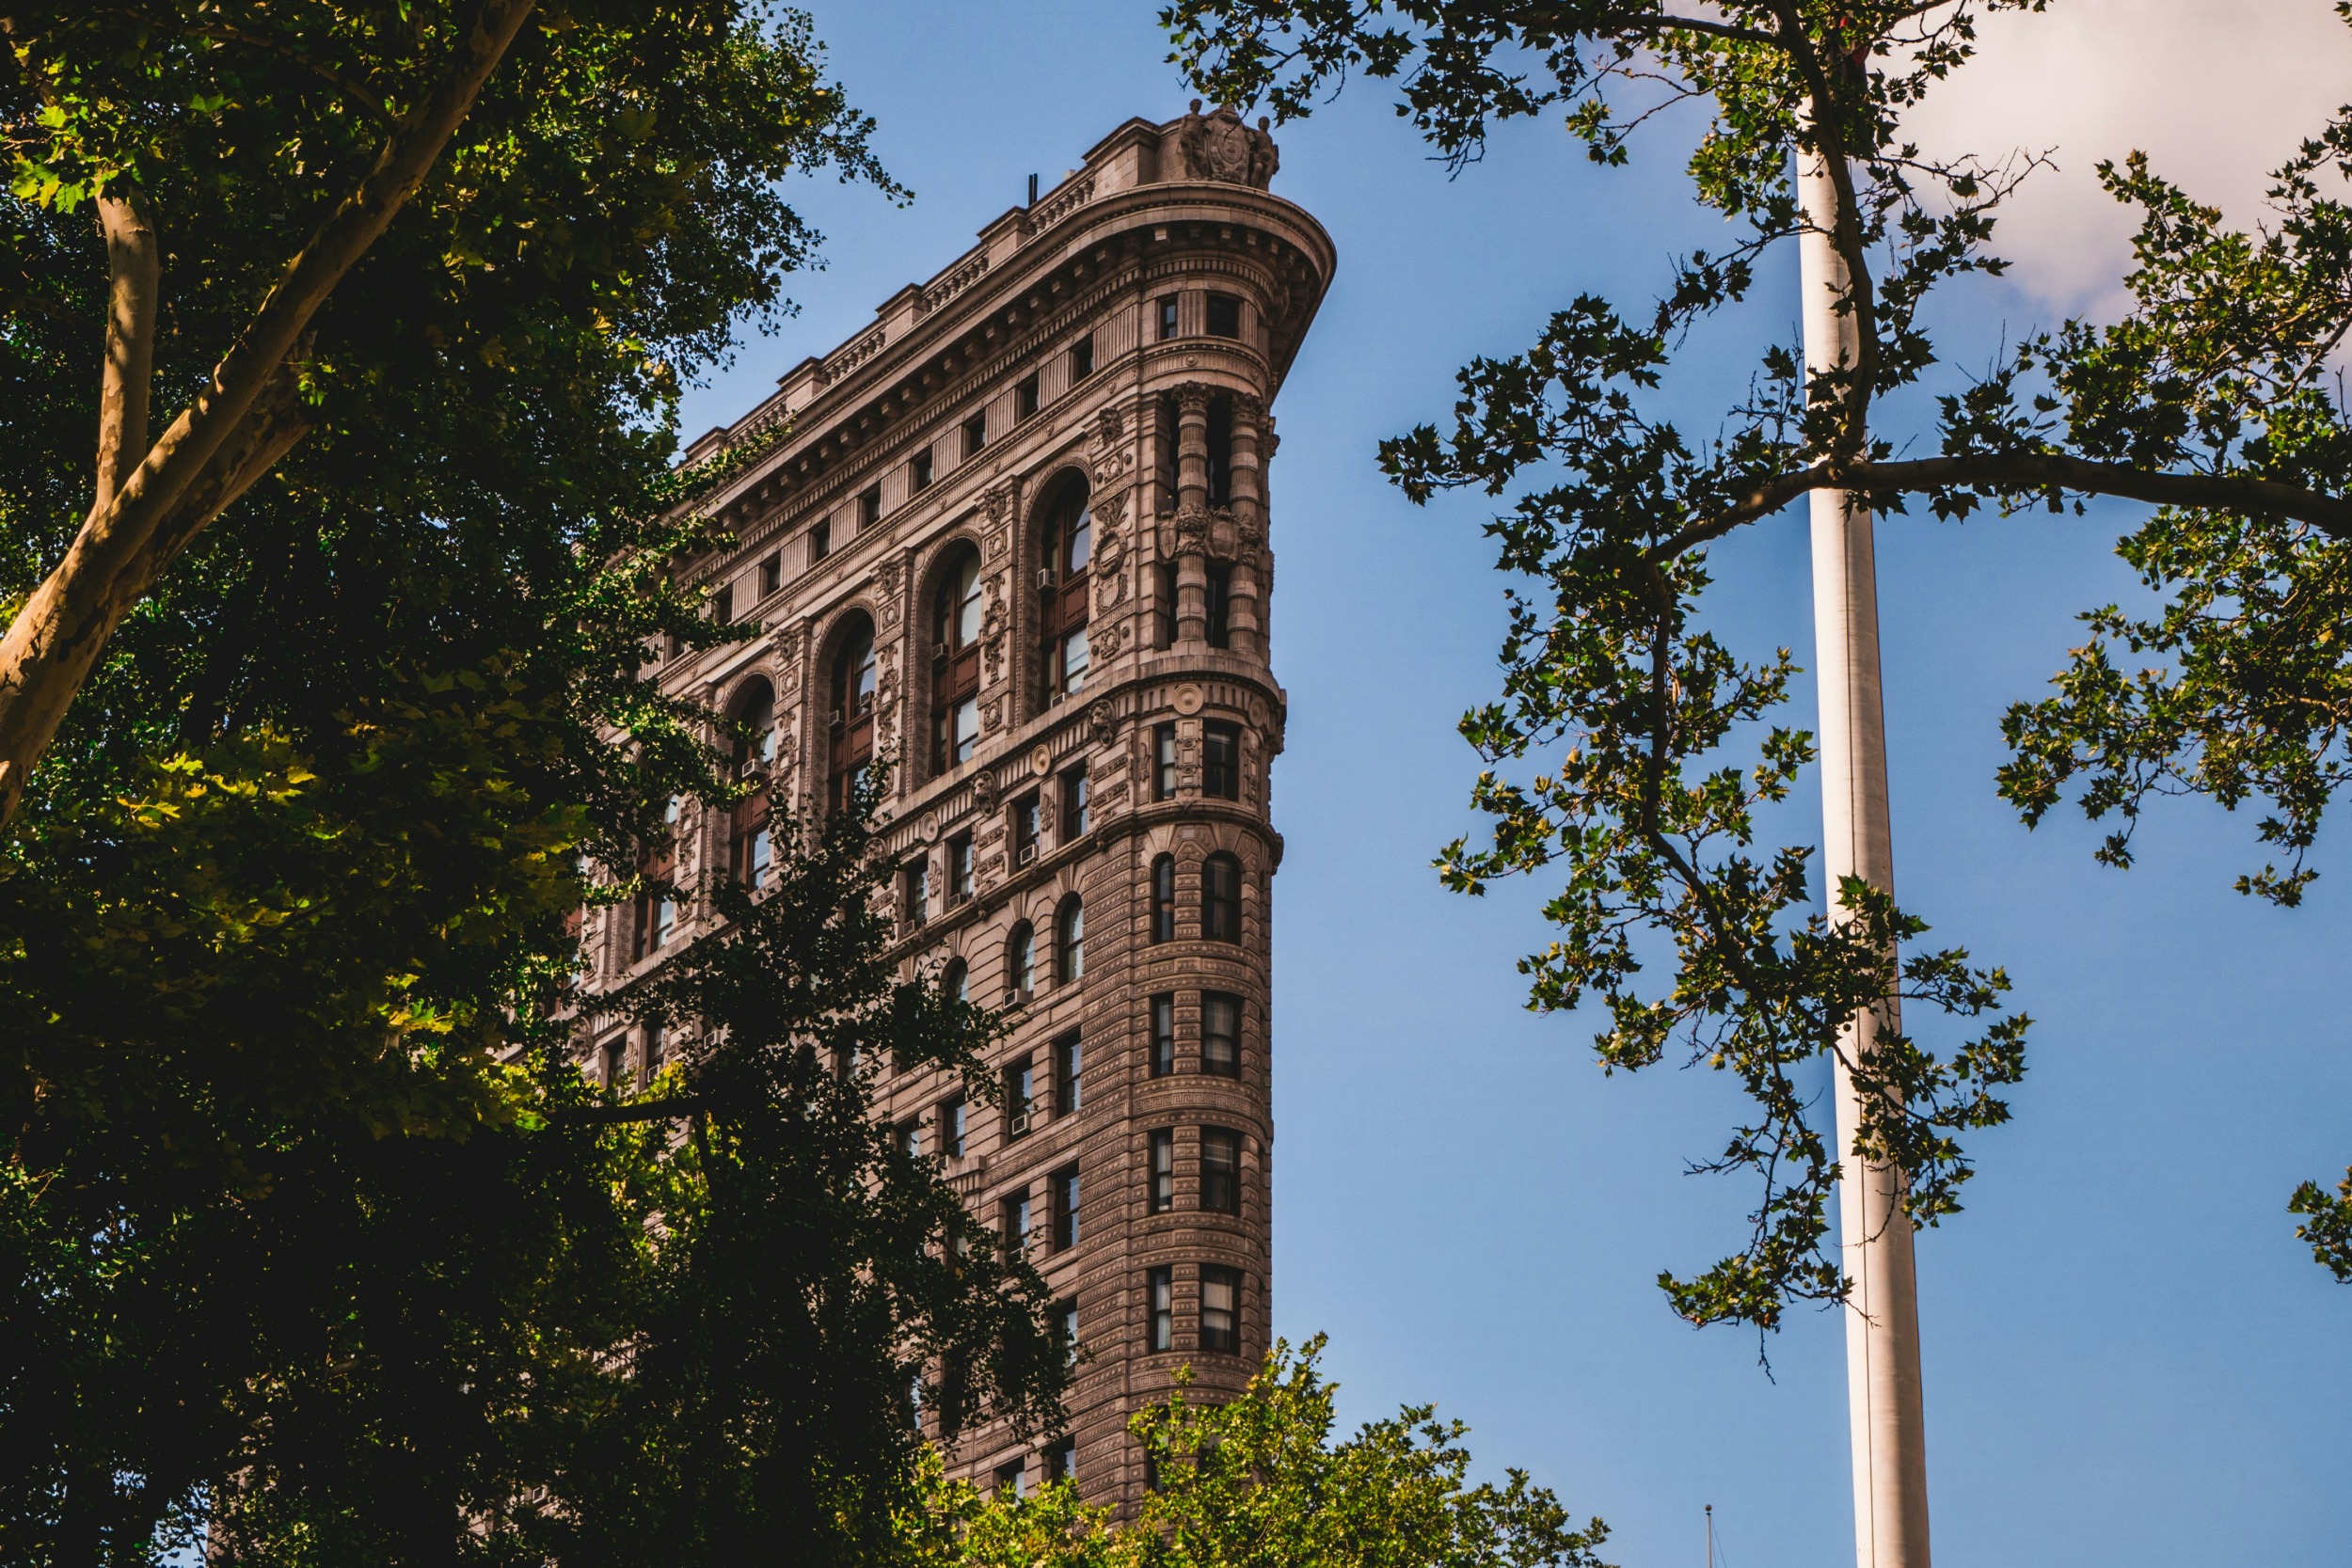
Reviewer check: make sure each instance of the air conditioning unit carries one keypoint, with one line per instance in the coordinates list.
(1018, 1125)
(941, 650)
(1044, 577)
(1023, 855)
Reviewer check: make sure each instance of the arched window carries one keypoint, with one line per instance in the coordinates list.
(1065, 548)
(1164, 898)
(956, 660)
(1221, 898)
(1021, 960)
(852, 719)
(750, 847)
(955, 981)
(1070, 941)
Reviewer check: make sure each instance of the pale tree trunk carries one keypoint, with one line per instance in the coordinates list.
(1888, 1423)
(243, 422)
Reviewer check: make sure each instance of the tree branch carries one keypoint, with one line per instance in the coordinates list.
(644, 1110)
(127, 379)
(2330, 515)
(57, 638)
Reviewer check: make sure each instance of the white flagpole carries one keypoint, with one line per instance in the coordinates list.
(1888, 1424)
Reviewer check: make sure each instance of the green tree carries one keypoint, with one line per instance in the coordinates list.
(2210, 401)
(313, 1239)
(1258, 1483)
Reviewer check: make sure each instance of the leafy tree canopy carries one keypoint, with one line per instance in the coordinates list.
(1258, 1483)
(1651, 749)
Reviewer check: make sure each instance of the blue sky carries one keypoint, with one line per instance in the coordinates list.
(2128, 1357)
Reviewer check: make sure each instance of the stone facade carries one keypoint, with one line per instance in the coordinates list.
(1100, 364)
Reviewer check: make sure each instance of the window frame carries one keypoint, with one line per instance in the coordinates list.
(1221, 1065)
(975, 435)
(1164, 780)
(954, 1126)
(1222, 878)
(1021, 960)
(1070, 941)
(1162, 1038)
(1077, 818)
(1081, 359)
(1168, 318)
(1160, 1196)
(1025, 401)
(1069, 1074)
(1162, 911)
(1226, 1340)
(1221, 303)
(1220, 1174)
(1220, 759)
(1066, 1197)
(1020, 1084)
(1159, 1304)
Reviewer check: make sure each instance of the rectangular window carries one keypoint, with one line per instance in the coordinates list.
(1168, 316)
(1020, 1084)
(1224, 316)
(1166, 606)
(1219, 625)
(1164, 763)
(723, 605)
(1065, 1182)
(1160, 1289)
(820, 541)
(1163, 1170)
(951, 1126)
(918, 889)
(649, 1059)
(1221, 438)
(1025, 825)
(958, 869)
(911, 1138)
(1061, 1460)
(770, 574)
(1068, 1082)
(1220, 1170)
(870, 507)
(1220, 1034)
(1220, 1309)
(918, 473)
(1081, 359)
(1066, 1328)
(614, 1057)
(1013, 1220)
(1163, 1035)
(1221, 761)
(975, 435)
(1071, 659)
(1024, 397)
(1076, 816)
(1010, 1478)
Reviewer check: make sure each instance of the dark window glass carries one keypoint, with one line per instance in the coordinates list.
(958, 869)
(1168, 316)
(1221, 761)
(770, 574)
(723, 605)
(918, 893)
(613, 1058)
(1220, 1309)
(870, 507)
(1164, 451)
(974, 433)
(910, 1138)
(1075, 804)
(1221, 438)
(1164, 898)
(1066, 1328)
(952, 1125)
(1069, 942)
(919, 471)
(1220, 626)
(1061, 1460)
(1081, 359)
(1220, 1035)
(1020, 1086)
(1221, 898)
(1021, 960)
(820, 541)
(956, 980)
(649, 1059)
(956, 610)
(1025, 825)
(1024, 397)
(1163, 1170)
(852, 732)
(1161, 1290)
(749, 846)
(1224, 316)
(1220, 1170)
(1068, 1082)
(1012, 1221)
(1166, 606)
(1011, 1477)
(1066, 549)
(1065, 1207)
(1163, 1035)
(1164, 763)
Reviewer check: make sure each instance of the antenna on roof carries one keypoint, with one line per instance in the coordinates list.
(1032, 190)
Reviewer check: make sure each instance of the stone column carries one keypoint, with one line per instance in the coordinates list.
(1244, 621)
(1192, 513)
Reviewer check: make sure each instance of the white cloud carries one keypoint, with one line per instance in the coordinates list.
(2218, 93)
